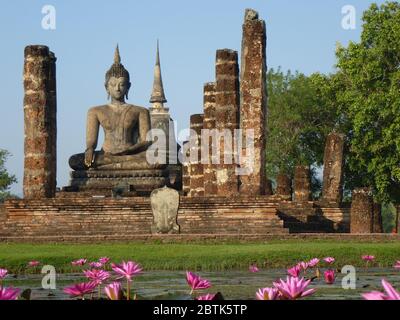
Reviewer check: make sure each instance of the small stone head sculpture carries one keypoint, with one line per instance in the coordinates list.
(117, 79)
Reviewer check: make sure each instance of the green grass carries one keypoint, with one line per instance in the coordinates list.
(196, 257)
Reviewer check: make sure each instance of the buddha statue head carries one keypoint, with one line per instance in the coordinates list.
(117, 79)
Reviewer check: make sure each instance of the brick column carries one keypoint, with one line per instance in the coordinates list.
(302, 184)
(227, 117)
(40, 110)
(268, 188)
(284, 186)
(196, 167)
(210, 175)
(377, 224)
(333, 168)
(186, 169)
(253, 100)
(362, 211)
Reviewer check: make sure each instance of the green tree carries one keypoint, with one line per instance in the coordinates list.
(369, 98)
(302, 113)
(6, 180)
(370, 102)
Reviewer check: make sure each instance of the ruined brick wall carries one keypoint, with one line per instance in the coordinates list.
(333, 168)
(123, 219)
(362, 210)
(210, 174)
(302, 184)
(196, 167)
(253, 101)
(40, 110)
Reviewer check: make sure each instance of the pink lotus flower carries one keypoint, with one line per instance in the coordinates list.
(97, 276)
(368, 258)
(295, 271)
(114, 291)
(33, 264)
(374, 296)
(196, 282)
(329, 276)
(127, 269)
(9, 293)
(254, 269)
(208, 297)
(313, 262)
(304, 265)
(104, 260)
(96, 265)
(390, 293)
(80, 289)
(267, 294)
(80, 262)
(294, 288)
(397, 265)
(329, 260)
(3, 273)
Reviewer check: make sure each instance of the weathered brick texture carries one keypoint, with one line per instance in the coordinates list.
(302, 184)
(227, 118)
(40, 112)
(284, 186)
(210, 173)
(253, 103)
(196, 167)
(362, 211)
(333, 168)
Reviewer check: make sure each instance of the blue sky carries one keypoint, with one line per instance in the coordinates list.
(302, 35)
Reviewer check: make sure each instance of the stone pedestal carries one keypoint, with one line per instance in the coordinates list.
(227, 120)
(40, 113)
(196, 167)
(138, 182)
(332, 191)
(253, 106)
(302, 184)
(362, 211)
(284, 186)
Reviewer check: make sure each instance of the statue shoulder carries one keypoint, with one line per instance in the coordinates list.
(97, 109)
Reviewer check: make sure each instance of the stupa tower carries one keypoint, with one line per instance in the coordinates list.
(160, 117)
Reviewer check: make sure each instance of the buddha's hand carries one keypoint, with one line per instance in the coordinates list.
(89, 157)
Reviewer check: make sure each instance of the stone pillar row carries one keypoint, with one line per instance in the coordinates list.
(232, 103)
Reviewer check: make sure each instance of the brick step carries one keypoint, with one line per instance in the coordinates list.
(183, 238)
(218, 225)
(85, 232)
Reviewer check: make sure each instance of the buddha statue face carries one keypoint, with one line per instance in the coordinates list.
(117, 79)
(118, 87)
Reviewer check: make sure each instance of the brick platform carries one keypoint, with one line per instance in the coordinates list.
(89, 219)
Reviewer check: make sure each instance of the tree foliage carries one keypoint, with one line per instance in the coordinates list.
(301, 115)
(6, 180)
(369, 100)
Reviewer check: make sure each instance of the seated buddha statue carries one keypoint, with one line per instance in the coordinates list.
(125, 129)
